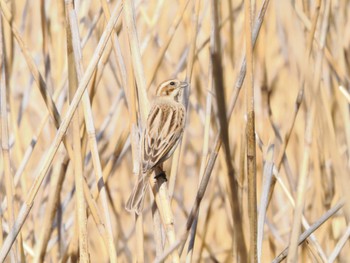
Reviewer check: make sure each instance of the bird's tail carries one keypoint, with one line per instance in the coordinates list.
(137, 197)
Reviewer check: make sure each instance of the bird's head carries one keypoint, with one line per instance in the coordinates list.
(172, 88)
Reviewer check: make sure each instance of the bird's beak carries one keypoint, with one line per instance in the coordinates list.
(183, 84)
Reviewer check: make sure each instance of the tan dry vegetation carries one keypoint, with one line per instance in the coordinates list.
(285, 187)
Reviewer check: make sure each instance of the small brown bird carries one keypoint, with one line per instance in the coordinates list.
(163, 131)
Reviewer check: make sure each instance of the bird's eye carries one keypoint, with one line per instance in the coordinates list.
(172, 83)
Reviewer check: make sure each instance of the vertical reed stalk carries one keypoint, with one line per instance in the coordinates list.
(9, 185)
(78, 166)
(250, 134)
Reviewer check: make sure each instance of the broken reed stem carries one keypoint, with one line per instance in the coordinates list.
(161, 196)
(311, 229)
(90, 128)
(45, 164)
(250, 135)
(78, 165)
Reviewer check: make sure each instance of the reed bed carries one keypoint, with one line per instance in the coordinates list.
(261, 173)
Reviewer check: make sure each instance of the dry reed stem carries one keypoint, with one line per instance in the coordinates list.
(90, 127)
(205, 149)
(205, 154)
(267, 179)
(250, 134)
(26, 207)
(157, 229)
(139, 238)
(189, 68)
(345, 93)
(78, 166)
(1, 233)
(204, 244)
(161, 197)
(9, 185)
(339, 246)
(52, 204)
(292, 255)
(9, 42)
(192, 52)
(221, 105)
(311, 229)
(129, 17)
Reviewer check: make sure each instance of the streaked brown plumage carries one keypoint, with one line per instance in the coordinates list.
(163, 131)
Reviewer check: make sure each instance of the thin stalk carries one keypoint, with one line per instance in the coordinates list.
(311, 229)
(205, 149)
(250, 135)
(78, 165)
(341, 243)
(9, 185)
(224, 135)
(161, 196)
(52, 204)
(130, 23)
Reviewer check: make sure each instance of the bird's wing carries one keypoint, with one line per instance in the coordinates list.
(164, 128)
